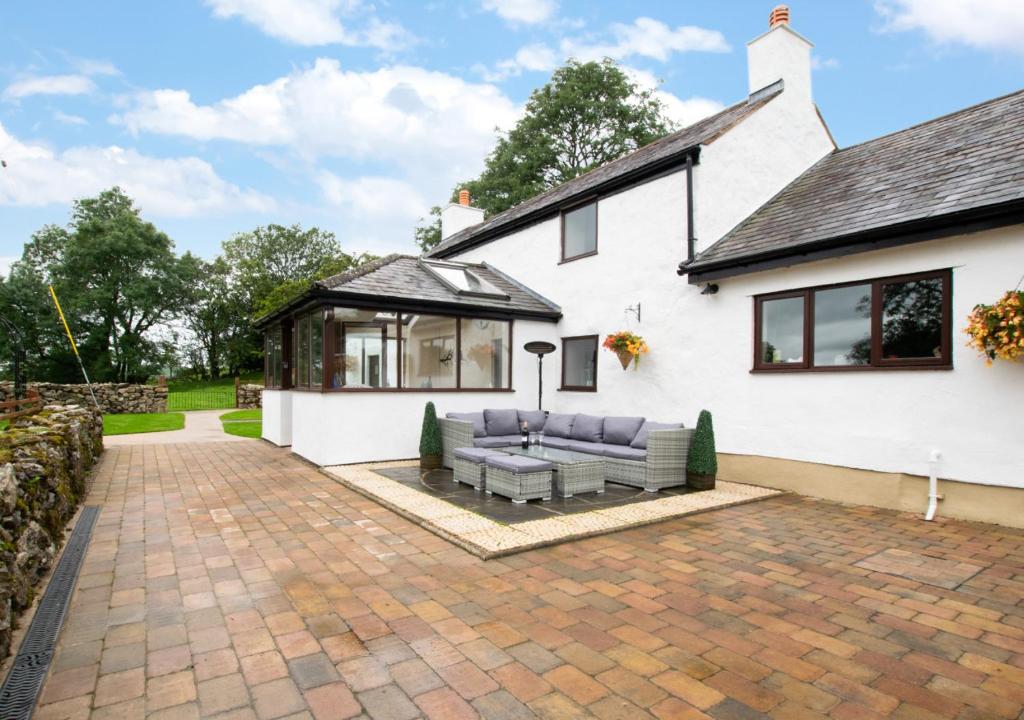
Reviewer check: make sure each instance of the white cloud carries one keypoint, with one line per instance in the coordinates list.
(681, 111)
(430, 123)
(529, 58)
(373, 198)
(313, 22)
(49, 85)
(983, 24)
(529, 12)
(170, 187)
(647, 37)
(88, 66)
(67, 119)
(820, 63)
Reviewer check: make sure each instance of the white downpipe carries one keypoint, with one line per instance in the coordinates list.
(933, 484)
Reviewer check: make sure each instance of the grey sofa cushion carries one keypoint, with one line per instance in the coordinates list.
(621, 430)
(501, 422)
(475, 454)
(640, 441)
(518, 464)
(559, 425)
(497, 441)
(582, 446)
(479, 429)
(555, 442)
(589, 428)
(622, 452)
(535, 419)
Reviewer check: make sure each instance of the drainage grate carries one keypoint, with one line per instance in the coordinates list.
(21, 689)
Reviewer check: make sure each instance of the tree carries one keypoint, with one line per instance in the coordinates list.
(587, 115)
(212, 315)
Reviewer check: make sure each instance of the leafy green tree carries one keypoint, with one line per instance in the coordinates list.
(291, 289)
(428, 233)
(588, 114)
(212, 315)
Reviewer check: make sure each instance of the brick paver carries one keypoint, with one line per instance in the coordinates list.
(233, 580)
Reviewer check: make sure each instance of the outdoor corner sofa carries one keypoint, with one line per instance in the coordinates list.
(635, 451)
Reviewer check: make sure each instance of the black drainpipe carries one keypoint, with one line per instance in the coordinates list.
(691, 238)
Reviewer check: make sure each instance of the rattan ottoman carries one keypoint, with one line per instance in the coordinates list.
(468, 466)
(518, 478)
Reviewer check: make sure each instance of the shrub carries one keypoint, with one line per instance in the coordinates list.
(430, 435)
(702, 459)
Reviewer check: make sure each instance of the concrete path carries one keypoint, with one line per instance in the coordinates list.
(201, 426)
(229, 580)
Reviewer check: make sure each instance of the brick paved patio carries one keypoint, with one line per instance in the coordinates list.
(232, 580)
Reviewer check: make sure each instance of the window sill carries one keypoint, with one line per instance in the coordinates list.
(577, 389)
(574, 258)
(847, 369)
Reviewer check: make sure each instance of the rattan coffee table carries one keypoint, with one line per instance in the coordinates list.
(574, 472)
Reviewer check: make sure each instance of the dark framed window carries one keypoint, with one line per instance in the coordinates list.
(273, 358)
(579, 232)
(579, 363)
(894, 322)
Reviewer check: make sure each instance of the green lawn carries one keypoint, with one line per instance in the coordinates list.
(142, 423)
(205, 394)
(244, 423)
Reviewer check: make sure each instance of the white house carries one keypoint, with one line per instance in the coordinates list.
(812, 298)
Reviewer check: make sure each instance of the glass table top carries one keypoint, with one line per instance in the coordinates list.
(555, 455)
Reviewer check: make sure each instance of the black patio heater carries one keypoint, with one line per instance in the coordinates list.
(540, 349)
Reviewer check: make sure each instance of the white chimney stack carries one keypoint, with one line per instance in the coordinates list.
(459, 216)
(780, 54)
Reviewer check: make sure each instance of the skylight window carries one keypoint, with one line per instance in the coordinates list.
(463, 280)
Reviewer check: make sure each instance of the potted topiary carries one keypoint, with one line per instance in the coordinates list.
(702, 464)
(430, 440)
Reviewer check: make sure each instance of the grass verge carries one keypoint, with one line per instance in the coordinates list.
(244, 423)
(142, 423)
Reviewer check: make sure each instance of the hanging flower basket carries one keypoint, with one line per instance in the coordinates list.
(997, 330)
(627, 347)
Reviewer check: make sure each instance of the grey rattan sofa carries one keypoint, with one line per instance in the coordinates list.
(636, 452)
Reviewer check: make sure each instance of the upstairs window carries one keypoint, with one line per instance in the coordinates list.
(579, 232)
(884, 323)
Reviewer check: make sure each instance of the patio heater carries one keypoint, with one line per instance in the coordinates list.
(540, 349)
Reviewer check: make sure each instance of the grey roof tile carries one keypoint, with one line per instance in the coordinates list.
(701, 132)
(403, 277)
(967, 160)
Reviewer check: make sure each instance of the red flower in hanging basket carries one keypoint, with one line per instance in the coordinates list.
(627, 346)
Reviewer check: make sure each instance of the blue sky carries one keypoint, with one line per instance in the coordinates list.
(219, 115)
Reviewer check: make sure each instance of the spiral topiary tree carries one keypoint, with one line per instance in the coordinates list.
(702, 463)
(430, 439)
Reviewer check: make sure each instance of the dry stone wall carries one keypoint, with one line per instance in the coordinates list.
(250, 396)
(113, 397)
(44, 462)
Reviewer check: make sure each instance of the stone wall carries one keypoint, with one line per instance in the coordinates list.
(44, 462)
(112, 397)
(250, 396)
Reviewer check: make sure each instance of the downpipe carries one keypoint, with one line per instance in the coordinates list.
(934, 457)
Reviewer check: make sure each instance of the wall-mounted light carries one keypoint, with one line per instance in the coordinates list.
(710, 289)
(635, 309)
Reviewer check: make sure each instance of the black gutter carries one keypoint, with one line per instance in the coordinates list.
(319, 296)
(907, 233)
(645, 173)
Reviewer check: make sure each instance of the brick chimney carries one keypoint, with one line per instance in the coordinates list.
(780, 54)
(457, 217)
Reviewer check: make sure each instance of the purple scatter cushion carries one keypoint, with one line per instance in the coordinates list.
(559, 425)
(640, 441)
(479, 429)
(588, 428)
(621, 430)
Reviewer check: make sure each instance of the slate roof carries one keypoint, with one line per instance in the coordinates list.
(969, 160)
(674, 146)
(404, 278)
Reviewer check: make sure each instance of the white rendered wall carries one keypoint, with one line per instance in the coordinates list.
(277, 416)
(352, 427)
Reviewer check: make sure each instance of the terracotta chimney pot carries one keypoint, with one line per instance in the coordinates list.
(464, 197)
(779, 16)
